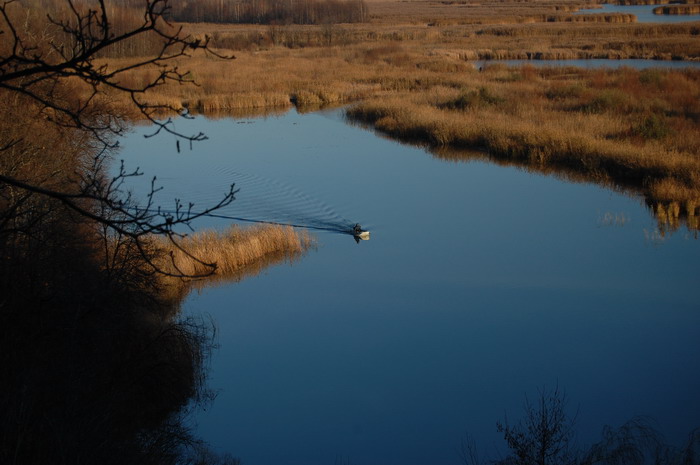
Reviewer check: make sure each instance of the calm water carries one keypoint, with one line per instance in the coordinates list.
(480, 284)
(600, 63)
(644, 13)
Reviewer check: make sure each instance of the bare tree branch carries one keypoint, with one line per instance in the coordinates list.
(544, 436)
(26, 66)
(39, 70)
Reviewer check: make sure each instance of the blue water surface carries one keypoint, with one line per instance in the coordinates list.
(597, 63)
(480, 284)
(644, 13)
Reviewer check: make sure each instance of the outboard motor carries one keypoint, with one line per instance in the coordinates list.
(359, 234)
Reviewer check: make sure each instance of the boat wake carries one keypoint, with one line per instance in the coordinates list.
(263, 200)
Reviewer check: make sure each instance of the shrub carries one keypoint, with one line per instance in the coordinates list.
(565, 92)
(652, 127)
(608, 100)
(474, 99)
(651, 77)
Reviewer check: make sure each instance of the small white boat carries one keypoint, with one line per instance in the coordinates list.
(360, 234)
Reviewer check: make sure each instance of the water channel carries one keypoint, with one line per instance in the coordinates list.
(596, 63)
(480, 284)
(644, 13)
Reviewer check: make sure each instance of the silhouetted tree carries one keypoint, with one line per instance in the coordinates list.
(49, 63)
(544, 435)
(639, 442)
(98, 368)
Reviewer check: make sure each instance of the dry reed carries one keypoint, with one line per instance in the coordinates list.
(236, 252)
(677, 10)
(614, 127)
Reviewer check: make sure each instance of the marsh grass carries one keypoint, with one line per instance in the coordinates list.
(474, 99)
(237, 253)
(621, 127)
(368, 59)
(677, 10)
(652, 127)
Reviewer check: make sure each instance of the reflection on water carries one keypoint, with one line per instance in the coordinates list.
(670, 215)
(644, 13)
(262, 112)
(595, 63)
(482, 282)
(263, 199)
(241, 114)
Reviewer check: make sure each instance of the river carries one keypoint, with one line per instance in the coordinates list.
(644, 13)
(480, 284)
(598, 63)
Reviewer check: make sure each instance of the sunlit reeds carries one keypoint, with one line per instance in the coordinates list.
(620, 127)
(362, 61)
(236, 252)
(677, 10)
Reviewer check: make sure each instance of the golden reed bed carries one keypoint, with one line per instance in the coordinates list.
(236, 252)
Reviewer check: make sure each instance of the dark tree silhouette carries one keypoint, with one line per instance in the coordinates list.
(544, 435)
(42, 64)
(98, 367)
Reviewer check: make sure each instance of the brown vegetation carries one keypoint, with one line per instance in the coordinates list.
(640, 2)
(366, 60)
(677, 10)
(237, 252)
(651, 2)
(614, 18)
(620, 128)
(40, 16)
(444, 12)
(270, 11)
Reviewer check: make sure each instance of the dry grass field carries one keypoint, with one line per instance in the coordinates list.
(677, 10)
(367, 60)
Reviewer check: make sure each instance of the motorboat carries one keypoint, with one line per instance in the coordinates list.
(360, 234)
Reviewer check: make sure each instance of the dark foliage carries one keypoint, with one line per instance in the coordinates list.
(51, 63)
(545, 435)
(97, 368)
